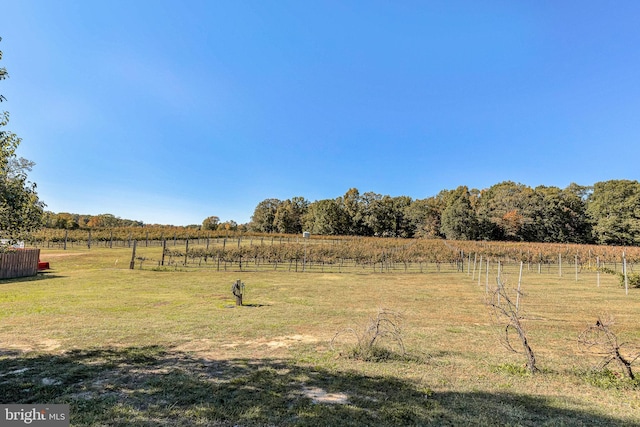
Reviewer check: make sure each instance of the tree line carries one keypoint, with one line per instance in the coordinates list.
(71, 221)
(606, 213)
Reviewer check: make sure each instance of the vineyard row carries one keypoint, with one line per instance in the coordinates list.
(369, 254)
(324, 250)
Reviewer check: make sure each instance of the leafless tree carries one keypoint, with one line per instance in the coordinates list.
(507, 316)
(600, 340)
(373, 341)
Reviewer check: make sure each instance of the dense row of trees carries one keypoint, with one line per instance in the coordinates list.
(606, 213)
(70, 221)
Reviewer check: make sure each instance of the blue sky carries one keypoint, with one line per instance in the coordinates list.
(169, 112)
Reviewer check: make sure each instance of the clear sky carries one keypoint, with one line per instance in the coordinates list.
(171, 111)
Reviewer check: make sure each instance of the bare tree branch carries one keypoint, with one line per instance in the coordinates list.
(600, 340)
(505, 312)
(382, 331)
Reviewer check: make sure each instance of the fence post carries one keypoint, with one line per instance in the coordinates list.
(560, 264)
(237, 290)
(624, 272)
(133, 256)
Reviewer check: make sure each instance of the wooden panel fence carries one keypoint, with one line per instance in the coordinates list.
(21, 263)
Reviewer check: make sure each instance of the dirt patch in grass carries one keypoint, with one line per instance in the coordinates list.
(318, 395)
(283, 342)
(208, 348)
(49, 345)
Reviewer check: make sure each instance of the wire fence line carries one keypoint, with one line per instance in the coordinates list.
(338, 257)
(359, 254)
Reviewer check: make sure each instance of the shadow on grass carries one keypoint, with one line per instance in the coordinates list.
(233, 305)
(37, 278)
(151, 386)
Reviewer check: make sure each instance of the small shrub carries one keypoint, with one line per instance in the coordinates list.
(379, 340)
(607, 270)
(374, 353)
(633, 279)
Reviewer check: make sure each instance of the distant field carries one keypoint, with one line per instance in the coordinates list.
(167, 346)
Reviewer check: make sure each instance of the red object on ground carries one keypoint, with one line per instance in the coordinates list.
(43, 265)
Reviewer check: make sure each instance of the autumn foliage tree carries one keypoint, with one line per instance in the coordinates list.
(210, 223)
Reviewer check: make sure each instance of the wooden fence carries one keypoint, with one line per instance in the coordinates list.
(21, 263)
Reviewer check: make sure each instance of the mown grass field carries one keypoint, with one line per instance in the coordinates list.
(144, 347)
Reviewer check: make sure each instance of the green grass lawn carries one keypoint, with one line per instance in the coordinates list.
(143, 347)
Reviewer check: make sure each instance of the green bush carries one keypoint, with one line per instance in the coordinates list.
(632, 278)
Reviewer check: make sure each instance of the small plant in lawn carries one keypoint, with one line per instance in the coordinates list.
(633, 280)
(607, 379)
(511, 369)
(380, 339)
